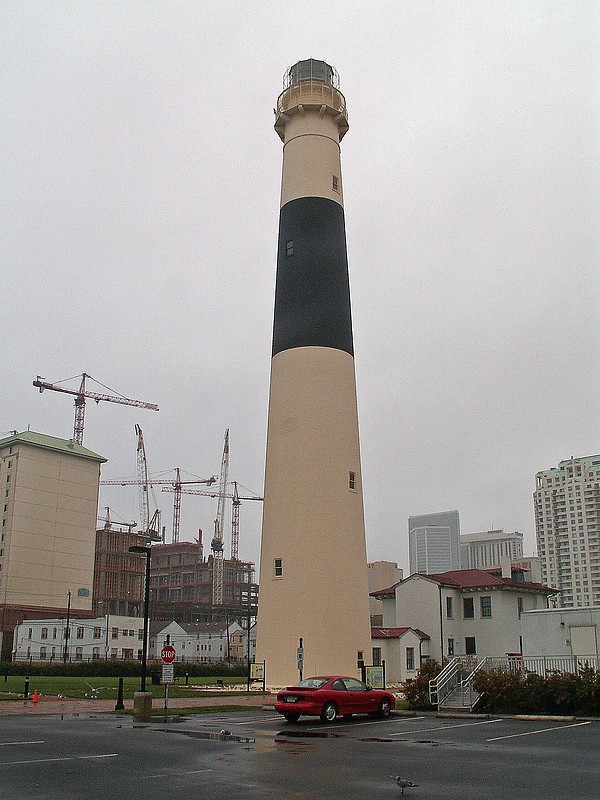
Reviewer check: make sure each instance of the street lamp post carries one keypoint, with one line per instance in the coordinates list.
(147, 552)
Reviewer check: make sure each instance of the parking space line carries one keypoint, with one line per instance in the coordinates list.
(258, 720)
(447, 727)
(54, 760)
(371, 722)
(176, 774)
(541, 730)
(9, 744)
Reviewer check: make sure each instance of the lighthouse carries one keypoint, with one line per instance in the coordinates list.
(313, 598)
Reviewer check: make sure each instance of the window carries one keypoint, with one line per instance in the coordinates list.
(97, 632)
(486, 606)
(124, 632)
(450, 647)
(43, 652)
(278, 567)
(78, 653)
(519, 606)
(30, 633)
(468, 608)
(140, 633)
(410, 659)
(289, 248)
(80, 632)
(54, 633)
(127, 653)
(114, 634)
(449, 611)
(44, 633)
(335, 183)
(470, 647)
(377, 656)
(95, 653)
(352, 480)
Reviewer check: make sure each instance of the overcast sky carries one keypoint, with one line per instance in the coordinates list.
(139, 204)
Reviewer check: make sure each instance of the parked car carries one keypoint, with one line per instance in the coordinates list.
(329, 696)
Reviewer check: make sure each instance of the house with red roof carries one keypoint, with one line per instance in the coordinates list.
(469, 612)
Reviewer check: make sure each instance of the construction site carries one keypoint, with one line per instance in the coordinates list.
(194, 582)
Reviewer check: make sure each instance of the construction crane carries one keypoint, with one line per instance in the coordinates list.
(108, 522)
(149, 527)
(235, 512)
(217, 541)
(175, 485)
(80, 397)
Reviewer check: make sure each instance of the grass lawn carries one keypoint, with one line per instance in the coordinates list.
(107, 688)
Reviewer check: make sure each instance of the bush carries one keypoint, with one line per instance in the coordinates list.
(506, 691)
(416, 690)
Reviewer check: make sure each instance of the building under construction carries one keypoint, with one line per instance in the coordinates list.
(182, 581)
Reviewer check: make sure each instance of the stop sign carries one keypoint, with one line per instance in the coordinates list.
(168, 654)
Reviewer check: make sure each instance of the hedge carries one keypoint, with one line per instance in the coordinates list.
(114, 668)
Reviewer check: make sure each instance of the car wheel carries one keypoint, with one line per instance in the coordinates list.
(384, 708)
(329, 712)
(292, 716)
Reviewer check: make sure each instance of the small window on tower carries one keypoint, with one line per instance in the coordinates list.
(352, 481)
(335, 183)
(278, 567)
(289, 248)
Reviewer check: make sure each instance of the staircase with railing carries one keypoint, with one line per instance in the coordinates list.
(453, 688)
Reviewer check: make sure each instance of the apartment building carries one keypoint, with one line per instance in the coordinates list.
(48, 507)
(488, 548)
(567, 521)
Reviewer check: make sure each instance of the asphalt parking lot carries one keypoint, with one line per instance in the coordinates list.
(256, 754)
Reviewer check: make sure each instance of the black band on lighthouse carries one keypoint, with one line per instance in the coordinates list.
(312, 292)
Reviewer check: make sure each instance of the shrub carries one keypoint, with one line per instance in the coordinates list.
(416, 690)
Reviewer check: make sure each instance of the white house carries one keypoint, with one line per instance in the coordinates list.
(207, 644)
(402, 649)
(463, 612)
(108, 637)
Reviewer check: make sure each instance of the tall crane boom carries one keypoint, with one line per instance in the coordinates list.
(80, 397)
(217, 542)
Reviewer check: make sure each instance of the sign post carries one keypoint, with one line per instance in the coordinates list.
(168, 655)
(300, 657)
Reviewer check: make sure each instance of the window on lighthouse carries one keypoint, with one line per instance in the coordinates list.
(278, 567)
(352, 481)
(335, 183)
(289, 248)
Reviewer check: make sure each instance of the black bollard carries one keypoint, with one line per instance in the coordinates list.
(187, 678)
(120, 705)
(26, 689)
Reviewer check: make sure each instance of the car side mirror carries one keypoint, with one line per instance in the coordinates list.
(369, 688)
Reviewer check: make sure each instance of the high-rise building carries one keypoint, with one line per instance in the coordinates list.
(48, 504)
(488, 548)
(313, 568)
(434, 542)
(567, 523)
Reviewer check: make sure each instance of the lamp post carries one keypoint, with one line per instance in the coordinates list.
(144, 551)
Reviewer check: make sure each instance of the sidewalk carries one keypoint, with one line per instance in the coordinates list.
(60, 705)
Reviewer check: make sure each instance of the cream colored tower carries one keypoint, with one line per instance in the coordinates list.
(313, 567)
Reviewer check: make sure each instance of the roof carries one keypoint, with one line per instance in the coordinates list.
(52, 443)
(395, 633)
(468, 579)
(480, 579)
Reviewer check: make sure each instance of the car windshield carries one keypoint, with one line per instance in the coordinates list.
(312, 683)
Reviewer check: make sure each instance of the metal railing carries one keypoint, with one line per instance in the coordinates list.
(544, 665)
(442, 686)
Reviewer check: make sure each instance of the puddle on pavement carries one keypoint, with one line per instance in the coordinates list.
(308, 735)
(216, 737)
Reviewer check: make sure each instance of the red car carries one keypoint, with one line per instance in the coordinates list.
(329, 696)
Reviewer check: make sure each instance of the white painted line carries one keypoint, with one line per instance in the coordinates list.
(372, 722)
(447, 727)
(542, 730)
(9, 744)
(176, 774)
(258, 720)
(53, 760)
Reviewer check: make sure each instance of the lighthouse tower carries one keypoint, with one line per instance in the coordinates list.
(313, 566)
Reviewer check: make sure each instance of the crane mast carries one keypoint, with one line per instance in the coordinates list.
(142, 473)
(80, 397)
(216, 545)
